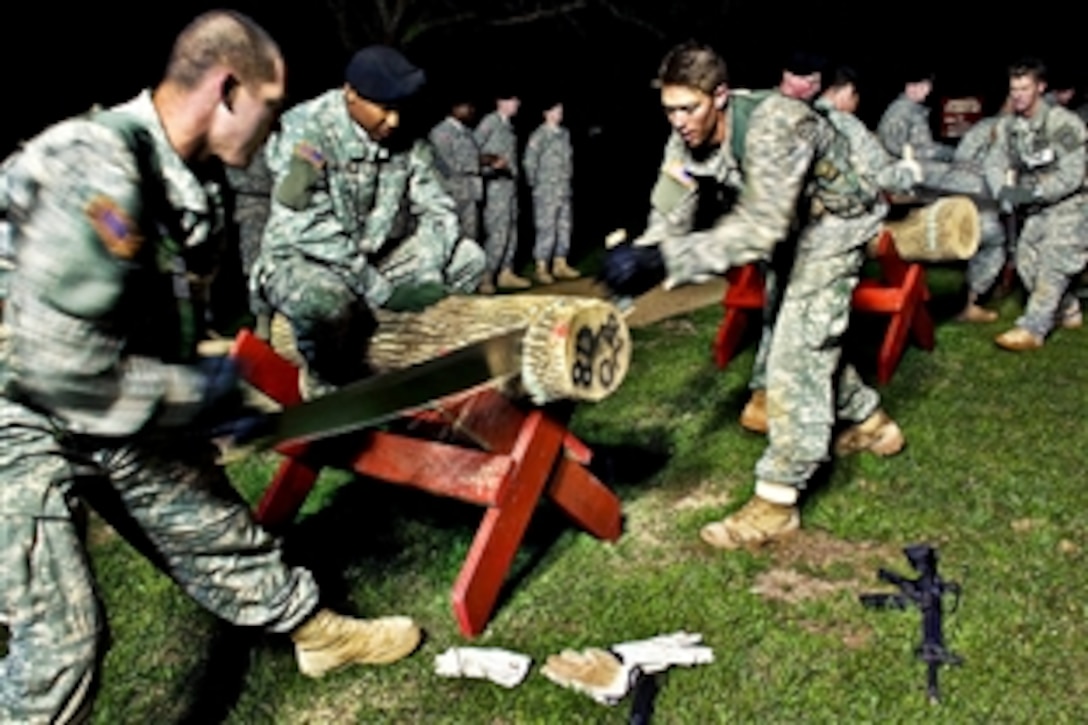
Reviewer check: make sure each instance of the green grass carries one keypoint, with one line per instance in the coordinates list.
(993, 475)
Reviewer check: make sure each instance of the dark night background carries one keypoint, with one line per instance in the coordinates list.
(600, 56)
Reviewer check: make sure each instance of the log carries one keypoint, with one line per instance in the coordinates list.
(573, 348)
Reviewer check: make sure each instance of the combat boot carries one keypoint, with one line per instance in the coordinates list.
(508, 280)
(976, 313)
(562, 270)
(328, 641)
(1018, 340)
(877, 434)
(755, 523)
(754, 415)
(486, 286)
(1072, 318)
(543, 276)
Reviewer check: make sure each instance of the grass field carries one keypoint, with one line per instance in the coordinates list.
(993, 475)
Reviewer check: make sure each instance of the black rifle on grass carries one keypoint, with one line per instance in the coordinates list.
(925, 592)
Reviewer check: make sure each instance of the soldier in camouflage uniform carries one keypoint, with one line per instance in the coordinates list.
(1044, 147)
(103, 393)
(549, 167)
(783, 159)
(838, 104)
(359, 219)
(457, 158)
(498, 143)
(905, 124)
(966, 175)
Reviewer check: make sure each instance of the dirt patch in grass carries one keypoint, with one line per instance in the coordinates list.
(851, 635)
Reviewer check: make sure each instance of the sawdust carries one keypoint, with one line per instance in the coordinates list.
(791, 586)
(707, 494)
(1026, 526)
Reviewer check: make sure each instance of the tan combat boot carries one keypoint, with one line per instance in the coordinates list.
(328, 641)
(754, 415)
(562, 270)
(508, 280)
(976, 313)
(543, 276)
(877, 434)
(1072, 318)
(1018, 340)
(757, 522)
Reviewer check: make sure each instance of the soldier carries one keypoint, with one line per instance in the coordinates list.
(549, 166)
(458, 160)
(359, 220)
(498, 143)
(904, 128)
(838, 103)
(104, 392)
(784, 159)
(967, 175)
(1043, 147)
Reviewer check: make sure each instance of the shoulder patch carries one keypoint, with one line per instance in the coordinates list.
(310, 154)
(1066, 137)
(113, 226)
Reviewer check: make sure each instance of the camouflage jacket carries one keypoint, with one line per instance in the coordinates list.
(110, 229)
(343, 200)
(906, 122)
(549, 159)
(1046, 153)
(457, 158)
(788, 147)
(975, 144)
(867, 155)
(495, 135)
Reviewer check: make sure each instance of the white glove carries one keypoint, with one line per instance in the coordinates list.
(659, 653)
(615, 238)
(595, 672)
(487, 663)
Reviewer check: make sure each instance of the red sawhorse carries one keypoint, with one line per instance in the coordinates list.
(518, 456)
(900, 293)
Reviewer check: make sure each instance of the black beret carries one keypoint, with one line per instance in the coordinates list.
(381, 74)
(802, 63)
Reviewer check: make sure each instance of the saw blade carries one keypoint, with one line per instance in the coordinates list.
(376, 400)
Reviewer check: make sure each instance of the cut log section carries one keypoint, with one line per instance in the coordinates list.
(574, 348)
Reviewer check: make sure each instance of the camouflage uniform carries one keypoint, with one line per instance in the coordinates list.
(906, 122)
(869, 158)
(352, 220)
(457, 158)
(808, 383)
(549, 166)
(252, 188)
(100, 392)
(495, 135)
(1047, 152)
(966, 175)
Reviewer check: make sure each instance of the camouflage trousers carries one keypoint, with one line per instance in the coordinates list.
(994, 251)
(552, 217)
(1051, 251)
(332, 320)
(501, 224)
(468, 216)
(809, 384)
(171, 500)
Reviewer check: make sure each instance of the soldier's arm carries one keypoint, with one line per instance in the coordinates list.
(779, 151)
(531, 161)
(925, 147)
(892, 131)
(998, 162)
(83, 247)
(1067, 175)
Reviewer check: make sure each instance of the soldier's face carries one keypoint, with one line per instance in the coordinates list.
(844, 98)
(696, 115)
(1024, 92)
(244, 119)
(803, 88)
(509, 106)
(554, 115)
(379, 122)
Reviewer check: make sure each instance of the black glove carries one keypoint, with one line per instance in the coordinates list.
(415, 297)
(630, 270)
(1016, 196)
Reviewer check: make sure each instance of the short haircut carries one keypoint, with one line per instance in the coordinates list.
(694, 65)
(223, 37)
(1028, 67)
(843, 76)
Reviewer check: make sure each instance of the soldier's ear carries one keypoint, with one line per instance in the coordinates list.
(230, 85)
(721, 95)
